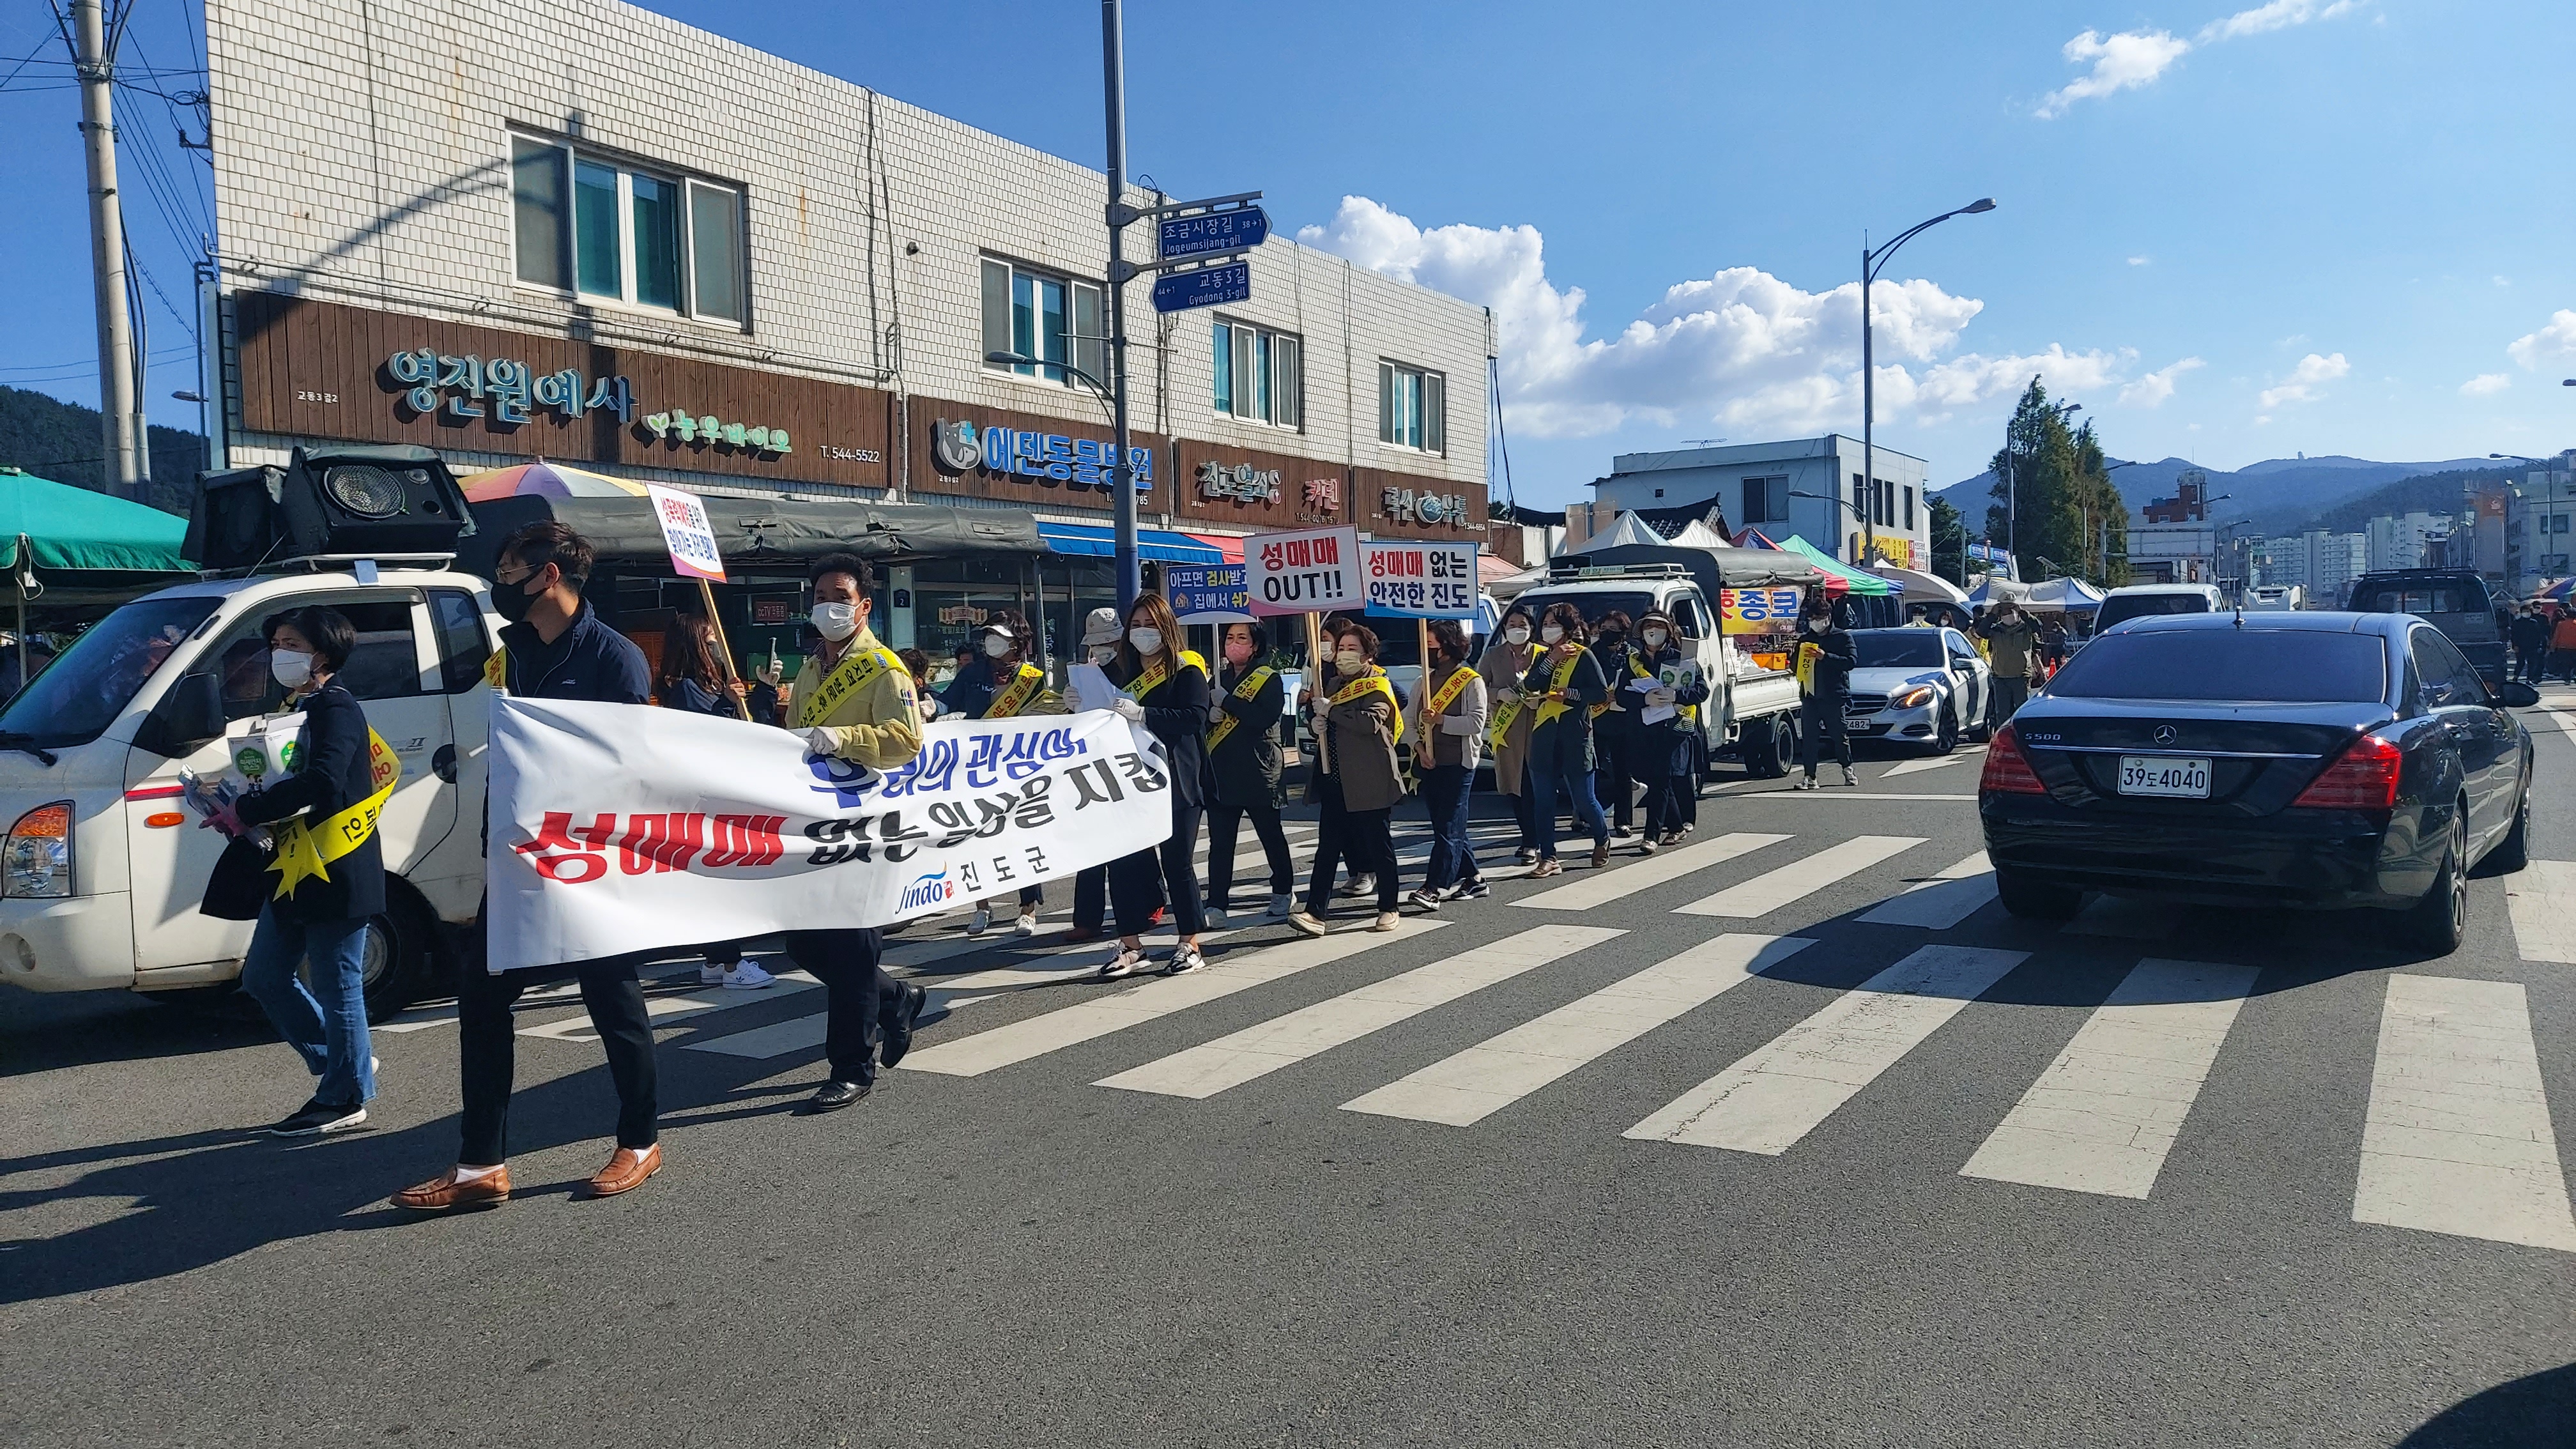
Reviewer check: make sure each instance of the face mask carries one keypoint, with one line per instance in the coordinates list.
(1550, 634)
(513, 601)
(1238, 652)
(835, 622)
(1814, 624)
(1146, 641)
(292, 669)
(1516, 637)
(1655, 638)
(1348, 661)
(995, 646)
(1104, 655)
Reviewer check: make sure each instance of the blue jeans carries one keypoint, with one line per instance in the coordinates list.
(1542, 782)
(1446, 790)
(329, 1033)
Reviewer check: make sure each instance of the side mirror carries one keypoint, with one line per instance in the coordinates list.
(188, 716)
(2517, 695)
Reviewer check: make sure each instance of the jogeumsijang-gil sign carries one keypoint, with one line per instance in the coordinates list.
(736, 829)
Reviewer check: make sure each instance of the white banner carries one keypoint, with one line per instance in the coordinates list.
(1303, 571)
(619, 827)
(1422, 580)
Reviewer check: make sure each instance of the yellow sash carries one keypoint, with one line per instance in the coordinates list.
(1638, 666)
(1563, 676)
(1374, 680)
(1160, 670)
(1012, 700)
(1506, 713)
(1243, 694)
(1447, 694)
(303, 850)
(854, 674)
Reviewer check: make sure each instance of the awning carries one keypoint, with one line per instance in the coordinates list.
(1920, 587)
(1231, 545)
(1853, 578)
(1098, 541)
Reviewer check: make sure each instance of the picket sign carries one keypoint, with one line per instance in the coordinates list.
(1304, 570)
(1421, 580)
(691, 538)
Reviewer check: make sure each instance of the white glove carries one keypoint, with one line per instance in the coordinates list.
(772, 672)
(821, 740)
(1506, 695)
(1216, 712)
(1128, 709)
(1660, 697)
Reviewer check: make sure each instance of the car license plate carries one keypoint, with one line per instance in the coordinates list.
(2164, 775)
(1857, 721)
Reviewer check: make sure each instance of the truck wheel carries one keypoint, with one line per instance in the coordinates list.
(398, 963)
(1757, 745)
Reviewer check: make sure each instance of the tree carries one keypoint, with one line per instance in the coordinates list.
(2053, 497)
(1949, 542)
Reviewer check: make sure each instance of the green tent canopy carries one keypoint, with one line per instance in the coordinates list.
(1860, 580)
(69, 549)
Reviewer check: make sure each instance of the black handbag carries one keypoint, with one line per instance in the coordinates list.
(241, 883)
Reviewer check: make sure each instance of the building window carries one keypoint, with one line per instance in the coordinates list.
(1909, 508)
(1259, 374)
(599, 228)
(1412, 408)
(1765, 499)
(1051, 319)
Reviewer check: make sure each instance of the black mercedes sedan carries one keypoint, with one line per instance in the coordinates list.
(2316, 761)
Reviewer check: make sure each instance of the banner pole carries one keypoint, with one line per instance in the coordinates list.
(724, 651)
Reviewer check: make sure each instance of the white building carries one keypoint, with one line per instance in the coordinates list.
(1814, 488)
(2544, 530)
(2173, 553)
(2324, 563)
(2398, 543)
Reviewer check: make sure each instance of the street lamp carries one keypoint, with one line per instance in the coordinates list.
(1870, 263)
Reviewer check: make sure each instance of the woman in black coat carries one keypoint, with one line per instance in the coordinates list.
(324, 918)
(1563, 685)
(1166, 692)
(1244, 770)
(1663, 755)
(692, 680)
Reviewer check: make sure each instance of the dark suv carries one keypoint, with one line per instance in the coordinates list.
(2455, 601)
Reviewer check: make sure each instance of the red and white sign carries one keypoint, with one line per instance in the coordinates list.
(1304, 570)
(687, 532)
(1422, 580)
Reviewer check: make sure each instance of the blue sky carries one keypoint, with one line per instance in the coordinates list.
(2233, 231)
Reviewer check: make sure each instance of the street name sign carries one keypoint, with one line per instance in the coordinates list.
(1203, 287)
(1210, 232)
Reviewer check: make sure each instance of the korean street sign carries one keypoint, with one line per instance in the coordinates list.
(1212, 231)
(1203, 287)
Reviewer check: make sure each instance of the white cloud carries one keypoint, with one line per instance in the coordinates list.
(2549, 344)
(2485, 383)
(2140, 261)
(2129, 58)
(2151, 390)
(1741, 349)
(2133, 58)
(2304, 380)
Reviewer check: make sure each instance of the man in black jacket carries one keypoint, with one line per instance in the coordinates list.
(555, 647)
(1825, 654)
(2530, 643)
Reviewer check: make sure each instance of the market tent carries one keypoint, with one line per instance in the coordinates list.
(1855, 580)
(1629, 531)
(67, 549)
(2071, 596)
(759, 530)
(1920, 587)
(1995, 588)
(1697, 534)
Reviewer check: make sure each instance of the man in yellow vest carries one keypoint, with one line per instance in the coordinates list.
(854, 701)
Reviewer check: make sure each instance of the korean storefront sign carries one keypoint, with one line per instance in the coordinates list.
(1304, 570)
(1407, 505)
(1757, 611)
(1421, 580)
(958, 446)
(1242, 482)
(1207, 593)
(505, 390)
(1893, 548)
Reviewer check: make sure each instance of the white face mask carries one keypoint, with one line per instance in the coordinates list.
(1516, 636)
(1655, 638)
(1147, 641)
(291, 669)
(995, 646)
(1348, 661)
(1550, 633)
(835, 622)
(1104, 655)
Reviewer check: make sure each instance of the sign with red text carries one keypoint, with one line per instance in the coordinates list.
(1421, 580)
(1304, 570)
(687, 532)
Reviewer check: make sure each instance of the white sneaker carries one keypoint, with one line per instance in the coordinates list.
(1184, 961)
(711, 974)
(1125, 963)
(1848, 777)
(980, 922)
(1027, 925)
(1280, 906)
(747, 976)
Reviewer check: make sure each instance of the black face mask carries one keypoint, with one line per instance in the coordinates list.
(513, 601)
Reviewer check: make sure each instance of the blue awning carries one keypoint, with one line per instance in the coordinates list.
(1159, 544)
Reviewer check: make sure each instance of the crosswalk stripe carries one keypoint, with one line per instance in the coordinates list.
(1071, 1025)
(661, 1008)
(1943, 901)
(2106, 1112)
(2458, 1139)
(2541, 900)
(1464, 1089)
(1771, 890)
(1915, 767)
(1602, 887)
(1785, 1089)
(1239, 1057)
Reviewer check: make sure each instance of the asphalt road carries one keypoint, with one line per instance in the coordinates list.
(1849, 1192)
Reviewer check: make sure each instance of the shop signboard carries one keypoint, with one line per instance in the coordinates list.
(1304, 570)
(1207, 593)
(1421, 580)
(959, 446)
(1203, 287)
(1757, 611)
(687, 532)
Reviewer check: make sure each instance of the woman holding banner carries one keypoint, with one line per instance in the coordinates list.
(1662, 677)
(1166, 690)
(1507, 733)
(1354, 783)
(1448, 738)
(1001, 684)
(1244, 770)
(1562, 689)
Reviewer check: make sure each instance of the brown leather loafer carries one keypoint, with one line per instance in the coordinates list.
(614, 1178)
(444, 1194)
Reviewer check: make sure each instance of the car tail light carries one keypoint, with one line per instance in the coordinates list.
(2363, 777)
(2008, 770)
(36, 858)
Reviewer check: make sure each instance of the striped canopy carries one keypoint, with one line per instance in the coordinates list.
(551, 480)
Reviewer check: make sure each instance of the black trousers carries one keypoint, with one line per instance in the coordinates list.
(486, 1050)
(1664, 796)
(1139, 883)
(1821, 715)
(1358, 836)
(2011, 693)
(1615, 775)
(1224, 823)
(857, 992)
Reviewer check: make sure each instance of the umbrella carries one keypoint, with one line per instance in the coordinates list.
(2557, 590)
(2065, 596)
(541, 478)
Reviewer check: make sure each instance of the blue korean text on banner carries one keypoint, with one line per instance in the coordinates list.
(1207, 593)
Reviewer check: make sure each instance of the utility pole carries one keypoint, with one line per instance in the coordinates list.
(128, 464)
(1113, 62)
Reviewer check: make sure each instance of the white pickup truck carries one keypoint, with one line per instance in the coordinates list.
(1751, 714)
(103, 865)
